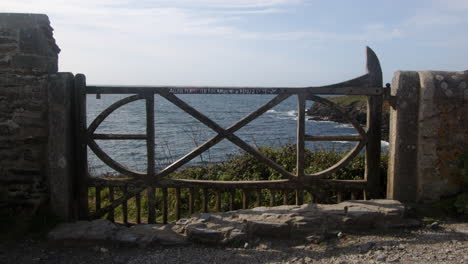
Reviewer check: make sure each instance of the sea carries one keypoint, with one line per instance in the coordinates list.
(177, 133)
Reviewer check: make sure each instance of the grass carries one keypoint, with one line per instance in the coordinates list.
(359, 102)
(242, 168)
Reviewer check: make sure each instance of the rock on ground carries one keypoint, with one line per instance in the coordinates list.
(422, 245)
(281, 222)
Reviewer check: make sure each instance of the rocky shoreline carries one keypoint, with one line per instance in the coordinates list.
(354, 106)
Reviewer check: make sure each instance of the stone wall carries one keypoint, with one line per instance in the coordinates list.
(35, 105)
(428, 135)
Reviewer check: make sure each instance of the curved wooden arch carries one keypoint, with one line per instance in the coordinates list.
(109, 110)
(357, 148)
(101, 154)
(111, 162)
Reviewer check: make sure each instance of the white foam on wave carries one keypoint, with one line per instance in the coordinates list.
(344, 125)
(384, 144)
(283, 115)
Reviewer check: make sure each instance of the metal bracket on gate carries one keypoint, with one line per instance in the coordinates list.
(391, 99)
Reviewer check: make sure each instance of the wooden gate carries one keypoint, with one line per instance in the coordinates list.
(135, 182)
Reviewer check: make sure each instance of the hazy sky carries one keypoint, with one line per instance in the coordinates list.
(251, 42)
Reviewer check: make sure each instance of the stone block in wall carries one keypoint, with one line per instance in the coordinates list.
(27, 44)
(443, 133)
(429, 134)
(60, 147)
(28, 71)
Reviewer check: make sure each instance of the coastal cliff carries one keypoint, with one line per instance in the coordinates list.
(354, 106)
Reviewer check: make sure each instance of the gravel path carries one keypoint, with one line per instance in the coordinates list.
(446, 243)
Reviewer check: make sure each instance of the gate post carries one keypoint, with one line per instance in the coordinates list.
(374, 117)
(81, 153)
(428, 135)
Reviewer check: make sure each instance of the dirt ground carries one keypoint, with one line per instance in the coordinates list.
(443, 243)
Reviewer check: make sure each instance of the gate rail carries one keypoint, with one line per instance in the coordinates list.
(369, 84)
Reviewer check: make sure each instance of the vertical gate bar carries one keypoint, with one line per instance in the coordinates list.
(124, 206)
(299, 197)
(138, 208)
(353, 196)
(258, 198)
(81, 150)
(244, 199)
(312, 198)
(98, 197)
(300, 135)
(151, 169)
(339, 197)
(218, 200)
(231, 200)
(178, 204)
(205, 200)
(110, 216)
(272, 198)
(285, 197)
(164, 196)
(372, 170)
(151, 197)
(191, 200)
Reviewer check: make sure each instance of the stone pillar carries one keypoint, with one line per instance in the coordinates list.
(428, 135)
(35, 105)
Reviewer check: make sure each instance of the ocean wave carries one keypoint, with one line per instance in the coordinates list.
(384, 144)
(290, 115)
(344, 125)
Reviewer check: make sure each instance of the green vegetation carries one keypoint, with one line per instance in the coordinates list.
(358, 101)
(33, 224)
(454, 205)
(346, 100)
(461, 201)
(243, 167)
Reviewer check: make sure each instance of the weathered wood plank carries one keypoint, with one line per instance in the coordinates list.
(98, 191)
(285, 197)
(110, 216)
(258, 197)
(343, 185)
(218, 201)
(373, 147)
(272, 198)
(81, 151)
(151, 197)
(300, 149)
(191, 201)
(178, 203)
(138, 208)
(165, 206)
(332, 138)
(342, 88)
(205, 200)
(374, 116)
(299, 196)
(150, 156)
(339, 197)
(118, 136)
(231, 200)
(244, 199)
(125, 206)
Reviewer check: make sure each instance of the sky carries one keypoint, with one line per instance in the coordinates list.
(251, 42)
